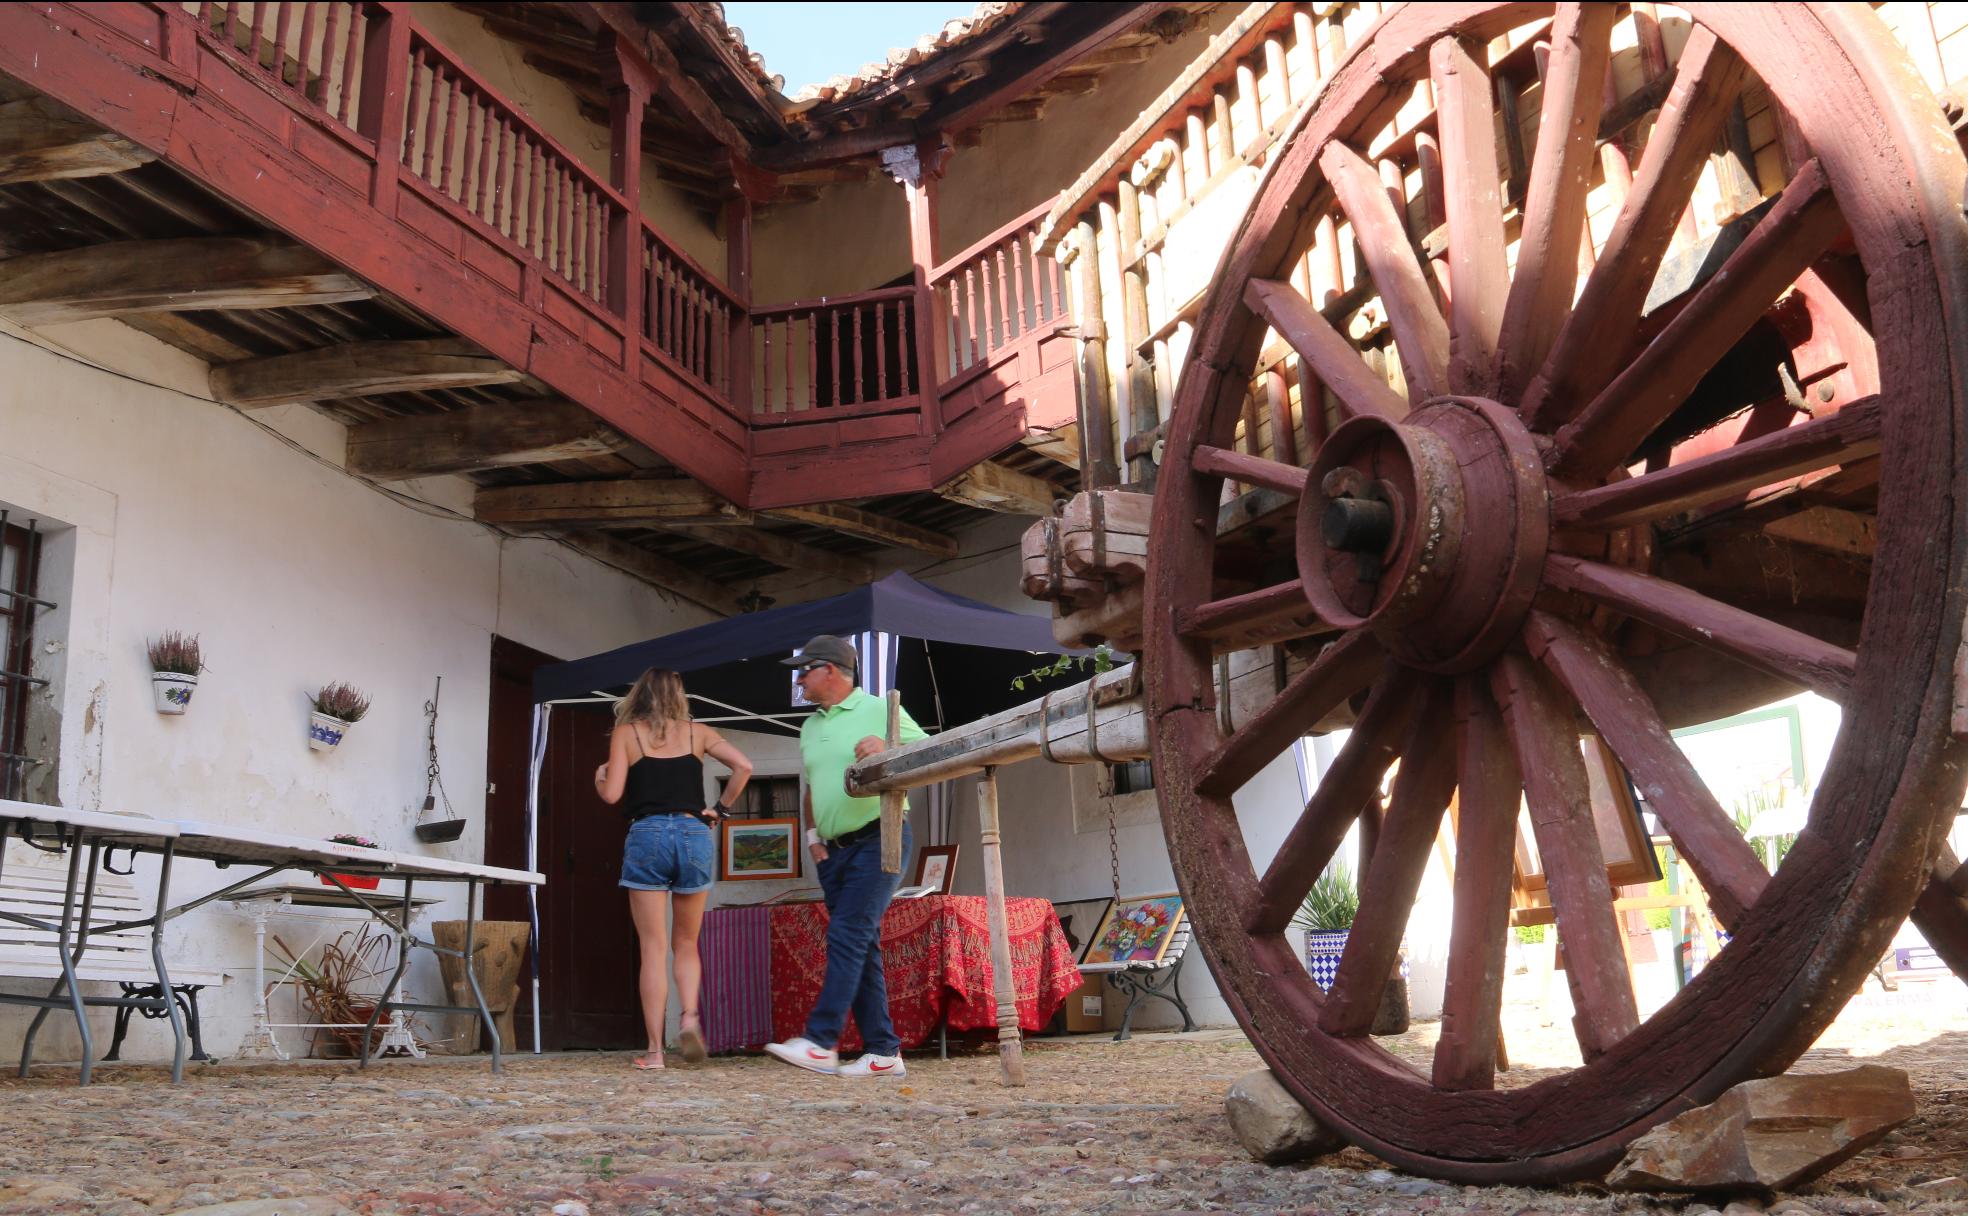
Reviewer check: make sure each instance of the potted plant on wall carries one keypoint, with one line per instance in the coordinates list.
(174, 667)
(1327, 915)
(337, 707)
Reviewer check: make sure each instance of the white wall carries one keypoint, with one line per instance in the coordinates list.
(175, 513)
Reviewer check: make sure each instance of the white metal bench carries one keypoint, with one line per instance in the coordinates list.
(33, 885)
(1162, 978)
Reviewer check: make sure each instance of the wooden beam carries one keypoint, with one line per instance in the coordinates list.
(658, 571)
(178, 275)
(359, 369)
(41, 139)
(782, 552)
(478, 437)
(994, 487)
(869, 526)
(1061, 445)
(634, 501)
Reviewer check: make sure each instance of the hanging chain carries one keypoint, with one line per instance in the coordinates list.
(1114, 849)
(433, 780)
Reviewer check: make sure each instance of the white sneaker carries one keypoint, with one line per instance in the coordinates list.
(872, 1065)
(804, 1053)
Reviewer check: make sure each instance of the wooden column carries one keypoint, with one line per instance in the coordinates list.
(1142, 414)
(1097, 466)
(738, 277)
(1011, 1040)
(628, 94)
(385, 75)
(894, 805)
(918, 177)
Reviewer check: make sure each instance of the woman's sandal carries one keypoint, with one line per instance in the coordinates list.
(643, 1062)
(690, 1039)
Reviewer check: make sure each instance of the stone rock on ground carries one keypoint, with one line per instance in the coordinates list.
(1270, 1123)
(302, 1205)
(1769, 1135)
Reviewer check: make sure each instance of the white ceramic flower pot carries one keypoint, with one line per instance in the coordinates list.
(172, 691)
(325, 733)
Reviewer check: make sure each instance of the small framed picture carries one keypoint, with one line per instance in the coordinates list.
(759, 848)
(936, 867)
(1136, 929)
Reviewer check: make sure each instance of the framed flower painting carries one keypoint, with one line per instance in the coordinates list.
(1136, 929)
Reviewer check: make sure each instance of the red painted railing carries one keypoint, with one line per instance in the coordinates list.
(997, 292)
(835, 351)
(686, 313)
(310, 51)
(462, 138)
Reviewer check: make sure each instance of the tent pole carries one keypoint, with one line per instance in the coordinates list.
(1011, 1040)
(541, 722)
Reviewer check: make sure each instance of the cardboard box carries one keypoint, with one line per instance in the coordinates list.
(1086, 1008)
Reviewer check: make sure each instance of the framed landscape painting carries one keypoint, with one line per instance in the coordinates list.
(759, 848)
(1136, 929)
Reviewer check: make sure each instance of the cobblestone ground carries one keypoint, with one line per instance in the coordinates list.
(1102, 1128)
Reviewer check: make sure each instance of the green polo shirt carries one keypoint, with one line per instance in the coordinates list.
(827, 740)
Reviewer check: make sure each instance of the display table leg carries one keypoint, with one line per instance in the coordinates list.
(1011, 1040)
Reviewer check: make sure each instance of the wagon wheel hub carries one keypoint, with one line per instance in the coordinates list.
(1430, 531)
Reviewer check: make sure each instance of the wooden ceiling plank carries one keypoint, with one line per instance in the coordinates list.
(661, 572)
(486, 436)
(883, 529)
(178, 275)
(781, 551)
(358, 369)
(42, 140)
(996, 487)
(606, 503)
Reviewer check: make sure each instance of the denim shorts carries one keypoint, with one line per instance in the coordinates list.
(674, 853)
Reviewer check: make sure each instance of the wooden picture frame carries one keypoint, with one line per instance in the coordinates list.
(1622, 831)
(936, 866)
(1135, 929)
(750, 849)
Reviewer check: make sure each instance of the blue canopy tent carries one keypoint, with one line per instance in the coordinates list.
(952, 657)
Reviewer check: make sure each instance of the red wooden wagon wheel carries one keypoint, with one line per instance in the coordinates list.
(1498, 581)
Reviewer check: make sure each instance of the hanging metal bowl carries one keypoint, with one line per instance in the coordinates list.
(441, 831)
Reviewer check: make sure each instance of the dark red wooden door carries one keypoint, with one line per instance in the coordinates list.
(587, 941)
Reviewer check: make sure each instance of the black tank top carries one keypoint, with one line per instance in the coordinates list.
(663, 783)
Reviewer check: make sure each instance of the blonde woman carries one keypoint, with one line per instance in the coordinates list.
(655, 772)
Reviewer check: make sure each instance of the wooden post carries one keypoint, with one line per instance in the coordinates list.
(1011, 1040)
(738, 277)
(922, 258)
(625, 291)
(1142, 412)
(385, 74)
(895, 804)
(1097, 466)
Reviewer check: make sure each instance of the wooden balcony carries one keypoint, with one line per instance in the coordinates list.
(350, 130)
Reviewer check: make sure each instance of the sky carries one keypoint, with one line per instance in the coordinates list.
(807, 43)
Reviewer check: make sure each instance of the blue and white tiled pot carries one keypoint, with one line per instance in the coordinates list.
(172, 690)
(1322, 950)
(325, 733)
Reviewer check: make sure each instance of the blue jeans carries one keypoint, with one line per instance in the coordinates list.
(856, 893)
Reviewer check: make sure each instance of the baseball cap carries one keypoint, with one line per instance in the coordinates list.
(826, 648)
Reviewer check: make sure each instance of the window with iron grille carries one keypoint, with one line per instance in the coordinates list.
(20, 559)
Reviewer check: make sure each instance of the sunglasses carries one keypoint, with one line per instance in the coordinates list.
(801, 671)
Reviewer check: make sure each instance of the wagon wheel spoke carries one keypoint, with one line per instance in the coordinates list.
(1352, 779)
(1256, 470)
(1279, 610)
(1393, 873)
(1487, 797)
(1420, 333)
(1763, 644)
(1797, 231)
(1342, 669)
(1631, 726)
(1546, 743)
(1843, 438)
(1584, 358)
(1473, 197)
(1554, 203)
(1339, 366)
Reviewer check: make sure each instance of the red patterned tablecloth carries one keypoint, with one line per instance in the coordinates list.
(936, 952)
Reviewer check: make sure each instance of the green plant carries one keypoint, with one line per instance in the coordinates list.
(1331, 904)
(602, 1167)
(1102, 659)
(176, 653)
(339, 700)
(1745, 810)
(1530, 935)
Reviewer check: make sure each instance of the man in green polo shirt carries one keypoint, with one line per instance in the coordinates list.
(844, 838)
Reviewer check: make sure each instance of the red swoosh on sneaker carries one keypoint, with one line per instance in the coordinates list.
(815, 1055)
(881, 1068)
